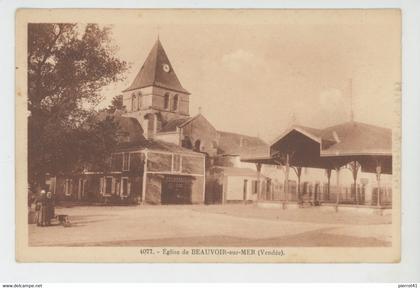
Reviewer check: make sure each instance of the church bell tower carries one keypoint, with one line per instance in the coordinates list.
(156, 95)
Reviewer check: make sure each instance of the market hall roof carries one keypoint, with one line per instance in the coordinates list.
(157, 71)
(335, 145)
(350, 138)
(355, 138)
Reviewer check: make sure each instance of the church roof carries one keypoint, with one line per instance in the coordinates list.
(133, 138)
(152, 73)
(239, 144)
(173, 124)
(128, 126)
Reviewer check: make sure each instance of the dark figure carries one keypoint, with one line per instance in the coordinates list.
(41, 209)
(49, 204)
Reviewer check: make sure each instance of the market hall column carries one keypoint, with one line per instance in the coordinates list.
(328, 172)
(378, 180)
(298, 171)
(286, 181)
(259, 165)
(338, 192)
(354, 168)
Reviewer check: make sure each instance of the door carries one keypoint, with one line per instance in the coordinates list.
(176, 190)
(81, 191)
(245, 189)
(316, 194)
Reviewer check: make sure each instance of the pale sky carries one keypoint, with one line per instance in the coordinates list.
(252, 72)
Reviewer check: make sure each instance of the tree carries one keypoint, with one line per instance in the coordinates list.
(68, 64)
(116, 104)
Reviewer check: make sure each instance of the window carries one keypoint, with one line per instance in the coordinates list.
(175, 104)
(197, 145)
(125, 187)
(139, 99)
(166, 101)
(116, 162)
(133, 100)
(108, 186)
(255, 187)
(67, 187)
(245, 188)
(262, 186)
(116, 186)
(159, 162)
(137, 162)
(192, 165)
(186, 142)
(126, 161)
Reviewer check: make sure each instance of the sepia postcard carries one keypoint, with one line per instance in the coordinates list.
(181, 135)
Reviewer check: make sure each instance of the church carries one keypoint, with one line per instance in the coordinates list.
(165, 155)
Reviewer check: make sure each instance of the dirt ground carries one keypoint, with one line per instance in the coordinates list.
(213, 225)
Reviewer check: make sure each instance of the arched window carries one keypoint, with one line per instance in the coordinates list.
(139, 99)
(166, 101)
(133, 100)
(175, 105)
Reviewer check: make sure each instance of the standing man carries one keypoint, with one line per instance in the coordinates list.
(49, 204)
(41, 209)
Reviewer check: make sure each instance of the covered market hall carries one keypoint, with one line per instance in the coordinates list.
(353, 147)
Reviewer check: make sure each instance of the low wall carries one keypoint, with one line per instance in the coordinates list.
(277, 204)
(330, 207)
(367, 209)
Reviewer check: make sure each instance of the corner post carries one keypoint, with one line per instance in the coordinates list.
(144, 183)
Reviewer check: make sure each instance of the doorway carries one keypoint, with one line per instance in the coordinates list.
(81, 190)
(176, 190)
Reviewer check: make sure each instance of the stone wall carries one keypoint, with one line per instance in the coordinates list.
(153, 188)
